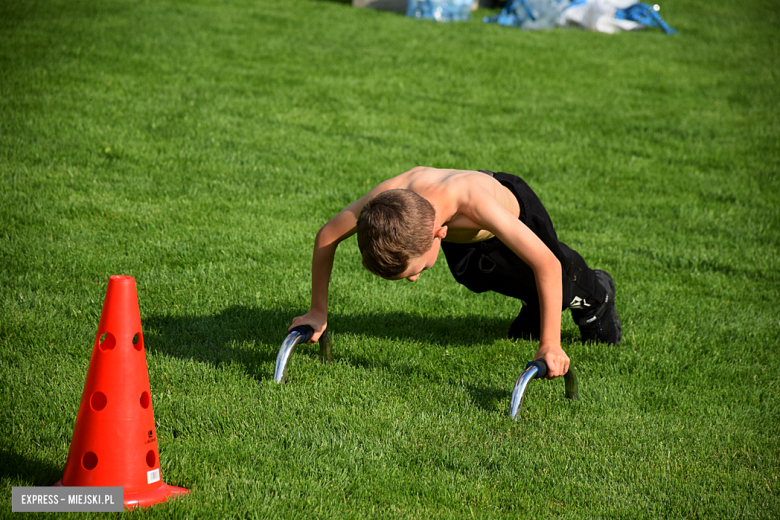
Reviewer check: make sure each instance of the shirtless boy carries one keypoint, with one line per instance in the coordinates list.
(496, 236)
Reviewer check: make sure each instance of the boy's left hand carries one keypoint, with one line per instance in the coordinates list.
(556, 359)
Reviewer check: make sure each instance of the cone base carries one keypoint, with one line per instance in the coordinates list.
(149, 498)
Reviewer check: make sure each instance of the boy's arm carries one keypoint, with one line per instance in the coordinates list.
(481, 207)
(337, 229)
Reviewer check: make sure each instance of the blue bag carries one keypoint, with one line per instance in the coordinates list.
(529, 14)
(646, 15)
(440, 10)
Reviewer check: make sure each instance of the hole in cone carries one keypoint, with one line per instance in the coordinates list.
(107, 342)
(137, 341)
(98, 401)
(145, 401)
(151, 459)
(89, 460)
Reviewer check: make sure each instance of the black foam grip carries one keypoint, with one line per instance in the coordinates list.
(541, 365)
(306, 331)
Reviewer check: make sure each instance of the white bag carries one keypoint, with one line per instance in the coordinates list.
(598, 15)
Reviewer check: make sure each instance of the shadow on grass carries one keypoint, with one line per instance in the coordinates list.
(252, 336)
(227, 337)
(28, 471)
(489, 398)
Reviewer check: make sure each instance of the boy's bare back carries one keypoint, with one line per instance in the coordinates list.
(452, 193)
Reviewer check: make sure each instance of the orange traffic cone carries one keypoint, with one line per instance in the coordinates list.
(114, 441)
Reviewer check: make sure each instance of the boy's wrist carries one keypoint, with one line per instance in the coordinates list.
(318, 310)
(548, 344)
(549, 349)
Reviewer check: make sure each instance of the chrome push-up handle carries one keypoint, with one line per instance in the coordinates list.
(300, 334)
(535, 370)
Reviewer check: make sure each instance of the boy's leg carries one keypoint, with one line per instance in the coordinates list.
(491, 266)
(590, 294)
(527, 325)
(604, 324)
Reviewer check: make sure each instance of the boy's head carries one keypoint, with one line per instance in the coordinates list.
(393, 228)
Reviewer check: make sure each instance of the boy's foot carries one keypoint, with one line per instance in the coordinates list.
(527, 325)
(603, 326)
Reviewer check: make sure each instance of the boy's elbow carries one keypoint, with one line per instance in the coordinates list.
(551, 266)
(318, 237)
(322, 238)
(326, 238)
(555, 264)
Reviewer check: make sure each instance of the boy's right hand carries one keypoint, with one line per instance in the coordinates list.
(556, 359)
(314, 319)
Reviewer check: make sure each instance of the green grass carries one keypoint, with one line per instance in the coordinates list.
(198, 146)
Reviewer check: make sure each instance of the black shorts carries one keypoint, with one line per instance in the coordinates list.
(491, 266)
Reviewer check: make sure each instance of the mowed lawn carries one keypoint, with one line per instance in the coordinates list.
(199, 146)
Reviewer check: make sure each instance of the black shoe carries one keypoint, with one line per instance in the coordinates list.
(527, 325)
(603, 326)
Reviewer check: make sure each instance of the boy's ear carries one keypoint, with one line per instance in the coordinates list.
(440, 233)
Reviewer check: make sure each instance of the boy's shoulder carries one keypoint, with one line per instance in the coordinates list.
(427, 181)
(456, 195)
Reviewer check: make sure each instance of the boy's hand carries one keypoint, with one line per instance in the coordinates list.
(314, 319)
(556, 359)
